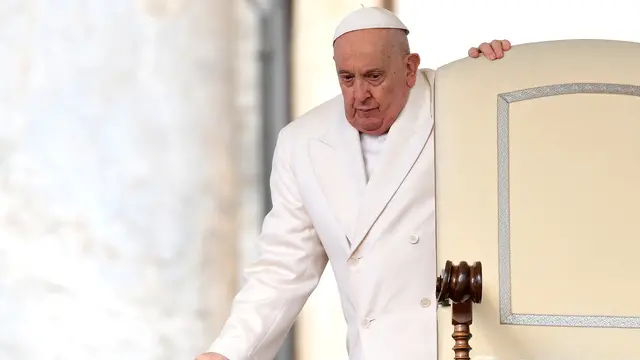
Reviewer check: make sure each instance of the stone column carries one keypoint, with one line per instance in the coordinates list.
(119, 183)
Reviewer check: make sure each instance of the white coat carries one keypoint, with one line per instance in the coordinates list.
(379, 237)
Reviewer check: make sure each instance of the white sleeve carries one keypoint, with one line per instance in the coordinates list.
(291, 260)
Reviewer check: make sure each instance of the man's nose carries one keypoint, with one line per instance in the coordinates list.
(362, 91)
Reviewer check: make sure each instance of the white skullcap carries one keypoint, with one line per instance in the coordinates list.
(368, 18)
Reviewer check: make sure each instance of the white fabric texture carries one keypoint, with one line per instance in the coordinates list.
(372, 147)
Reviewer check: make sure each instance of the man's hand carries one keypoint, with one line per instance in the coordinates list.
(211, 356)
(492, 51)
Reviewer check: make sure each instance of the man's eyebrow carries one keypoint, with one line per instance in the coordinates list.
(367, 72)
(374, 70)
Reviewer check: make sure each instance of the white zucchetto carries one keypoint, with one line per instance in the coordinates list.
(368, 18)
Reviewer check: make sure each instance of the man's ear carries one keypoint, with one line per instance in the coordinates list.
(413, 64)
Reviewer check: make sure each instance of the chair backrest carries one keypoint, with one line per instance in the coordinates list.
(538, 177)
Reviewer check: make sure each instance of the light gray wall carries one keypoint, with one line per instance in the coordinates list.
(122, 124)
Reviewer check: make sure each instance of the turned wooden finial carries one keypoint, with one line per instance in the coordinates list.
(461, 284)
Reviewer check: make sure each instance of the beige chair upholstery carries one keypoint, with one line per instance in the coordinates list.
(538, 177)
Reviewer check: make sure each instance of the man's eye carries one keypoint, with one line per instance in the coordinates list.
(347, 77)
(374, 76)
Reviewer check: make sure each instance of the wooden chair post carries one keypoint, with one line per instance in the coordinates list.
(462, 285)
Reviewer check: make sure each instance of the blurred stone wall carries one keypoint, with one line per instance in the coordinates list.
(127, 175)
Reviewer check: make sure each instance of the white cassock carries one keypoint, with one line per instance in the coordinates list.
(378, 234)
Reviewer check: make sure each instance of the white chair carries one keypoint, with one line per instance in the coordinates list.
(538, 178)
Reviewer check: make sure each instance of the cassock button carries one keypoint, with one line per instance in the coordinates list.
(414, 239)
(425, 303)
(354, 261)
(366, 323)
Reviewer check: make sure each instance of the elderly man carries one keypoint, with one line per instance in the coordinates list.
(353, 183)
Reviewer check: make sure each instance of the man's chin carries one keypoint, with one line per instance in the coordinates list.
(377, 132)
(369, 126)
(369, 123)
(378, 129)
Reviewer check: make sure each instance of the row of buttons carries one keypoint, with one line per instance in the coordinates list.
(424, 302)
(414, 239)
(366, 323)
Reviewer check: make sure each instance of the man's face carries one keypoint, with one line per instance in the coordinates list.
(376, 73)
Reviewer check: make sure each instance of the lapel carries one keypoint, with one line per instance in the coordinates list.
(337, 161)
(406, 140)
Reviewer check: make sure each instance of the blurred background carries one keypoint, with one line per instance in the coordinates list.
(135, 145)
